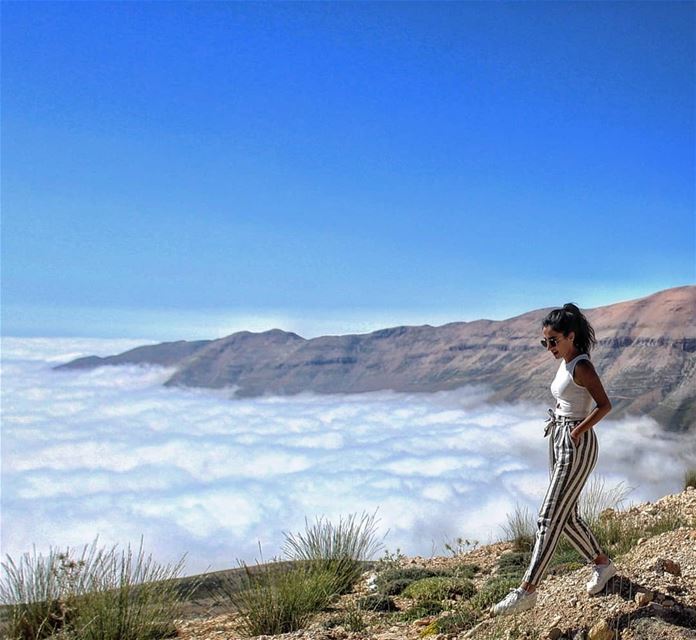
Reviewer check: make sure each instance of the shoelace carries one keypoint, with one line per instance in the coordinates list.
(510, 593)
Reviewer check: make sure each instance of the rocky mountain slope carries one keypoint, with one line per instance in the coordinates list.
(653, 595)
(646, 355)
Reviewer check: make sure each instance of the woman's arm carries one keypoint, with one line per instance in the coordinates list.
(586, 376)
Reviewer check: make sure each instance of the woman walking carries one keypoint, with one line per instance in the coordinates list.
(572, 456)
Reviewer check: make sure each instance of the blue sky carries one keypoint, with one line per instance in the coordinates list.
(184, 170)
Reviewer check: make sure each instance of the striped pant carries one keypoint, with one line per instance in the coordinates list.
(569, 468)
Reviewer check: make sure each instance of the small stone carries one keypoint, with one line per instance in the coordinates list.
(667, 602)
(600, 631)
(640, 540)
(665, 564)
(643, 597)
(675, 589)
(554, 633)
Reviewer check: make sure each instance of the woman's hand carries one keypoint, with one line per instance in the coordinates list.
(575, 439)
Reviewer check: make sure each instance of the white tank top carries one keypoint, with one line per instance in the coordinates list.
(573, 400)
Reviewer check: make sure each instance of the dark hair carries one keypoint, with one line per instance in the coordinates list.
(570, 318)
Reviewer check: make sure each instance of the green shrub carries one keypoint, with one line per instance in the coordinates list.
(394, 587)
(376, 602)
(439, 588)
(513, 564)
(565, 553)
(462, 618)
(492, 591)
(406, 573)
(353, 620)
(562, 568)
(465, 570)
(422, 609)
(393, 581)
(102, 595)
(429, 630)
(396, 576)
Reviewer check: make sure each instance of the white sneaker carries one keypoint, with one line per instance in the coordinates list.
(600, 576)
(515, 601)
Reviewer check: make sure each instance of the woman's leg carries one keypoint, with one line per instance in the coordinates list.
(581, 537)
(571, 467)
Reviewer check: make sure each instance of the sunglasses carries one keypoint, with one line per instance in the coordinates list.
(550, 341)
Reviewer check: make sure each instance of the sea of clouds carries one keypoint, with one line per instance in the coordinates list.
(113, 453)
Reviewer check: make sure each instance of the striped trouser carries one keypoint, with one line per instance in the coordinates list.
(569, 467)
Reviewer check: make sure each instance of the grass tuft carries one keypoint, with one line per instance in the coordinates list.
(520, 529)
(340, 549)
(597, 498)
(276, 598)
(102, 595)
(323, 563)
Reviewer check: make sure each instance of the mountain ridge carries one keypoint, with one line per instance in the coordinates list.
(646, 356)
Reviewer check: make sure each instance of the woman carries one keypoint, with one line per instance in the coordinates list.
(572, 456)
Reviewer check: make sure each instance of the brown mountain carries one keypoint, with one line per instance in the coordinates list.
(646, 356)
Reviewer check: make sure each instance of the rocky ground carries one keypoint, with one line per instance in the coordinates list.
(653, 596)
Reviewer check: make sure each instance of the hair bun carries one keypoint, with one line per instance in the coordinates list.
(569, 306)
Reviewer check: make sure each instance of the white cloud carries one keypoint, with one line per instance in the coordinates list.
(112, 452)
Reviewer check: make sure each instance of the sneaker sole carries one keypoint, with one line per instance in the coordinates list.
(510, 612)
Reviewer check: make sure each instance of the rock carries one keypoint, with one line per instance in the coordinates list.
(672, 567)
(643, 597)
(640, 541)
(668, 603)
(554, 633)
(665, 564)
(600, 631)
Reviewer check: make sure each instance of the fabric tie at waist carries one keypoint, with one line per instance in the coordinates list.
(554, 419)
